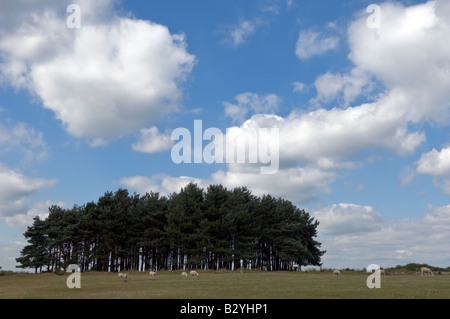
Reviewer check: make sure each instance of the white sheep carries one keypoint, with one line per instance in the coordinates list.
(123, 276)
(184, 275)
(426, 271)
(193, 273)
(336, 273)
(152, 274)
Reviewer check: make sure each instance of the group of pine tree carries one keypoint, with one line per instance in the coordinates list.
(194, 228)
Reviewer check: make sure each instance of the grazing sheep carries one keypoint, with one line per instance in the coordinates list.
(193, 273)
(152, 274)
(123, 276)
(184, 275)
(426, 271)
(336, 273)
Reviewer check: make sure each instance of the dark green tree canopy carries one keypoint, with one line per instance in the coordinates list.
(195, 228)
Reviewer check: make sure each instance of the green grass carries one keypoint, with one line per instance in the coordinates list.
(224, 285)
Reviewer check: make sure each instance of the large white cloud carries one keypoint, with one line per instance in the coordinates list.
(108, 77)
(410, 53)
(333, 138)
(340, 134)
(410, 56)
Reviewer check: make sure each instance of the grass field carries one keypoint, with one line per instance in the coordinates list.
(224, 285)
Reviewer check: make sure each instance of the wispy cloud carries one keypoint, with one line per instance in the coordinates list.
(251, 103)
(299, 86)
(237, 34)
(15, 189)
(23, 139)
(272, 8)
(407, 175)
(312, 43)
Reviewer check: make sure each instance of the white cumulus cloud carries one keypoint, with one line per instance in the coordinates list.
(108, 77)
(435, 163)
(409, 53)
(152, 141)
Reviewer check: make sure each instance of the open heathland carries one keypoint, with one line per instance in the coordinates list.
(225, 285)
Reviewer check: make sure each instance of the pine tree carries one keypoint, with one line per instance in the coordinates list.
(37, 254)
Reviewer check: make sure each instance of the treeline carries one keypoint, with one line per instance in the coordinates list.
(212, 229)
(412, 267)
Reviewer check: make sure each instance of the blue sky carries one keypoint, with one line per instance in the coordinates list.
(362, 111)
